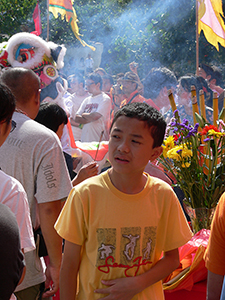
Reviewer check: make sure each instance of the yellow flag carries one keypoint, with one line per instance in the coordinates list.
(211, 22)
(65, 9)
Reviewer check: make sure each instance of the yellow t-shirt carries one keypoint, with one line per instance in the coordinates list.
(122, 234)
(214, 255)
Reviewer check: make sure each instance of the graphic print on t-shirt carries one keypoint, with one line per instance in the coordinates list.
(91, 107)
(135, 249)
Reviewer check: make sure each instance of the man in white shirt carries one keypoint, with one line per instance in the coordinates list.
(78, 84)
(94, 111)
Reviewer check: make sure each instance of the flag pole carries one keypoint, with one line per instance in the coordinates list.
(197, 41)
(47, 20)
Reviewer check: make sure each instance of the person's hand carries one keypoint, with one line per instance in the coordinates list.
(52, 281)
(121, 289)
(133, 66)
(88, 170)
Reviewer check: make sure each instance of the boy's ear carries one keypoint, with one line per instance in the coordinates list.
(156, 152)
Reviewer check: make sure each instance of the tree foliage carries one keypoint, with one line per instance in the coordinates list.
(15, 15)
(151, 32)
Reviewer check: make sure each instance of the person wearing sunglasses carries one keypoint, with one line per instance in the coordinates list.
(93, 113)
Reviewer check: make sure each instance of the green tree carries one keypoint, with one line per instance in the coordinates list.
(15, 16)
(151, 32)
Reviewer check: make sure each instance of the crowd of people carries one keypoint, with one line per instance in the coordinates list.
(111, 223)
(153, 89)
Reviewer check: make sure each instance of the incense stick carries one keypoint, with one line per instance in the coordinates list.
(99, 144)
(194, 103)
(215, 108)
(202, 104)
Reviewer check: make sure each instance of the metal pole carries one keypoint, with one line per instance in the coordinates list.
(47, 20)
(197, 41)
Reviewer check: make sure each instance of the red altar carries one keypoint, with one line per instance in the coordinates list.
(198, 292)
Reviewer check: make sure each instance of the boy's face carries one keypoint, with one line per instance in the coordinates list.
(91, 87)
(202, 73)
(106, 85)
(183, 96)
(130, 146)
(129, 87)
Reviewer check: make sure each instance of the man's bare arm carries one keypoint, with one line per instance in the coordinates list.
(127, 288)
(69, 271)
(49, 213)
(72, 122)
(214, 286)
(88, 170)
(87, 117)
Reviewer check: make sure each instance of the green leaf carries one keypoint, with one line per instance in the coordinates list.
(199, 120)
(222, 115)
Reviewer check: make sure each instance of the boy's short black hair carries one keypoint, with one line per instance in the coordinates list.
(156, 80)
(7, 103)
(51, 115)
(96, 78)
(153, 119)
(208, 69)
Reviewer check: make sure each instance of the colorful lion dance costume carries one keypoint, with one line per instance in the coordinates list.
(32, 52)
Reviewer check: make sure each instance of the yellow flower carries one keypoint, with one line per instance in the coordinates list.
(214, 133)
(168, 144)
(180, 153)
(186, 152)
(172, 153)
(186, 164)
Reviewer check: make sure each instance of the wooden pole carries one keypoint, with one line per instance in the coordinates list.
(47, 20)
(197, 41)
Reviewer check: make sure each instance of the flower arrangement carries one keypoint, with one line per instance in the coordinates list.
(195, 157)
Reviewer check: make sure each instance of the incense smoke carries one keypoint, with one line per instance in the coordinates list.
(134, 34)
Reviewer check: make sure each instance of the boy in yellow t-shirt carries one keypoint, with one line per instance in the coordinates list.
(117, 224)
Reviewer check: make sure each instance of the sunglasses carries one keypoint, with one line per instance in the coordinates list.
(13, 125)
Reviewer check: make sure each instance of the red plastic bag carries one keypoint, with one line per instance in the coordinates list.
(192, 265)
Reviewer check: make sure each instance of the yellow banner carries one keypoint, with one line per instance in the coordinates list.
(210, 14)
(65, 9)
